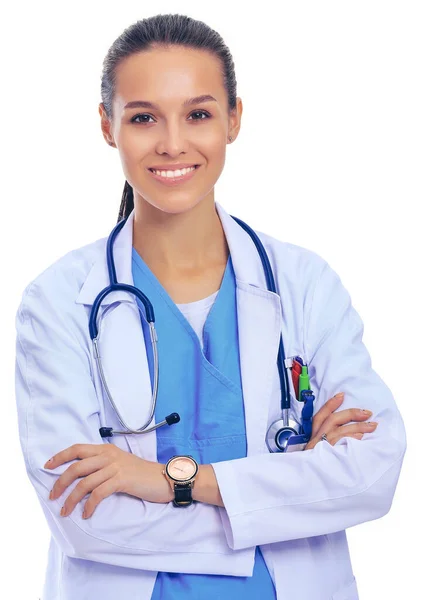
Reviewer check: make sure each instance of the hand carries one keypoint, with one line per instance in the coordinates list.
(106, 469)
(329, 422)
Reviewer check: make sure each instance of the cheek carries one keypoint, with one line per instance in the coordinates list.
(217, 161)
(133, 146)
(132, 150)
(213, 143)
(212, 147)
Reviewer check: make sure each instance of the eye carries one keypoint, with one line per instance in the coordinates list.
(201, 112)
(195, 112)
(133, 119)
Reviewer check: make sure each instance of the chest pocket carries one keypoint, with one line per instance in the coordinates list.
(296, 407)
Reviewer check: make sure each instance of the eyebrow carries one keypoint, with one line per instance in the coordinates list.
(189, 102)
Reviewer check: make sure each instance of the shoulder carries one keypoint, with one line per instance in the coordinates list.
(62, 280)
(304, 274)
(292, 262)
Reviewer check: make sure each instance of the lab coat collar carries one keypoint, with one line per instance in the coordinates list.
(245, 259)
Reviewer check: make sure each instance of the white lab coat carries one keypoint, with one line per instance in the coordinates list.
(296, 506)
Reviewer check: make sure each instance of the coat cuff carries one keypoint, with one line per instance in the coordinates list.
(230, 514)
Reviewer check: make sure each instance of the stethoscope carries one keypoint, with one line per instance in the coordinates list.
(279, 432)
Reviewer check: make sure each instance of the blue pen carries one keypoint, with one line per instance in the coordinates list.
(307, 397)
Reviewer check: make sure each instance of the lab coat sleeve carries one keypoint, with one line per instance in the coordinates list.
(57, 407)
(278, 497)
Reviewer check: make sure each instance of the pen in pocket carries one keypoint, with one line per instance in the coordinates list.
(295, 374)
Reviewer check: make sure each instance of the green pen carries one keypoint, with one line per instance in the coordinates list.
(303, 381)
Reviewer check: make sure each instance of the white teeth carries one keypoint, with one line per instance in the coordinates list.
(177, 173)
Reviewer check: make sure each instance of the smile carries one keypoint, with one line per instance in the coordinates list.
(174, 177)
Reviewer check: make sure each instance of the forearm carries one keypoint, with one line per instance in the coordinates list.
(206, 488)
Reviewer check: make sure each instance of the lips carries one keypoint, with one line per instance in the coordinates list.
(175, 180)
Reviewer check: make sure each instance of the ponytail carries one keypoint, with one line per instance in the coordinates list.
(127, 202)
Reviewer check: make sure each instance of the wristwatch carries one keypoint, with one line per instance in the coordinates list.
(180, 472)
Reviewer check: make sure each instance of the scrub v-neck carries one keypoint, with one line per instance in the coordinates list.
(209, 354)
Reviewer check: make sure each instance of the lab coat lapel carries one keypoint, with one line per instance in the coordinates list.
(122, 344)
(259, 326)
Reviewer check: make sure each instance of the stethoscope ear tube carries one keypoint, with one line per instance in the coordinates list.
(280, 434)
(149, 309)
(169, 420)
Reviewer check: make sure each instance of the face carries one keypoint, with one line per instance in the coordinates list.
(170, 132)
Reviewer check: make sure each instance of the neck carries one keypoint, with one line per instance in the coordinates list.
(191, 240)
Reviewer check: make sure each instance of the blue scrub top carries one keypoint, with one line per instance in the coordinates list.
(204, 387)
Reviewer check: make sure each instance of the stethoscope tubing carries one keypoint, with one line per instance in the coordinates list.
(150, 317)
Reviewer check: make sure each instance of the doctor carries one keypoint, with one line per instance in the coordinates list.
(254, 524)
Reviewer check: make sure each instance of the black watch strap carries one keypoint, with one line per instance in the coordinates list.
(183, 495)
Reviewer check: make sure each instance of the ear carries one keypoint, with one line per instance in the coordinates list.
(106, 126)
(235, 119)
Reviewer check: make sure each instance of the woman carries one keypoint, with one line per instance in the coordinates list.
(254, 524)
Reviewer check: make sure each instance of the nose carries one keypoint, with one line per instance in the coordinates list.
(173, 139)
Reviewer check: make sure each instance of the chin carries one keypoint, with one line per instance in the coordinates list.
(175, 206)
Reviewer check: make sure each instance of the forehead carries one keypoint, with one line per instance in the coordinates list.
(168, 76)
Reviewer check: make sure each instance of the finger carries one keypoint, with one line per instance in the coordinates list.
(111, 486)
(325, 411)
(314, 441)
(87, 485)
(73, 452)
(310, 445)
(357, 428)
(346, 416)
(76, 470)
(337, 432)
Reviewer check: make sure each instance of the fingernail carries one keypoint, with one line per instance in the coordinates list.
(365, 412)
(63, 510)
(48, 462)
(339, 395)
(372, 423)
(51, 495)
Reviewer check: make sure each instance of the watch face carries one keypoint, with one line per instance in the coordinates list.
(182, 468)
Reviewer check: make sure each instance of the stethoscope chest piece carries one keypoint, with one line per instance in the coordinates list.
(278, 434)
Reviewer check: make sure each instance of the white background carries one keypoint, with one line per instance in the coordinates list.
(331, 156)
